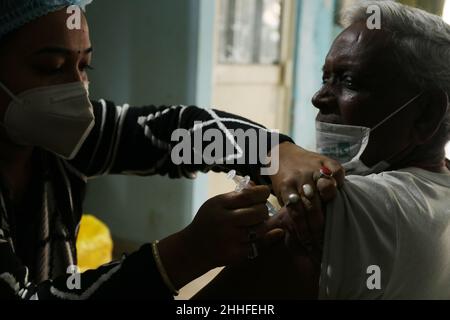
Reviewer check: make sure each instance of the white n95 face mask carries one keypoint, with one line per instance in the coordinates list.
(57, 118)
(346, 144)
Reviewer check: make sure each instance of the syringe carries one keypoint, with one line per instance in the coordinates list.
(242, 183)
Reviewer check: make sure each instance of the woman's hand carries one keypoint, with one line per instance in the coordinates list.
(226, 226)
(224, 231)
(304, 225)
(306, 175)
(298, 167)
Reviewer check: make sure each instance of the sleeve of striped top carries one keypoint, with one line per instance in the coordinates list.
(140, 141)
(134, 277)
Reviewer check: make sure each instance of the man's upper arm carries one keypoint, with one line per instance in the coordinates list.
(360, 241)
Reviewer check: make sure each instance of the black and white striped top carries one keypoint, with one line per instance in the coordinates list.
(37, 238)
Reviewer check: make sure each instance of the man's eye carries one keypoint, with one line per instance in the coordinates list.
(349, 83)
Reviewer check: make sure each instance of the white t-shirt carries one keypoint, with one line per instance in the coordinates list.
(397, 221)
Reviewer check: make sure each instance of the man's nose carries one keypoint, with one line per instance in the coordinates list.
(325, 100)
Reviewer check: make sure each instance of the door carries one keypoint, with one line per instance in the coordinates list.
(253, 65)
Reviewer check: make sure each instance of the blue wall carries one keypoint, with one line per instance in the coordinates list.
(148, 52)
(204, 63)
(315, 32)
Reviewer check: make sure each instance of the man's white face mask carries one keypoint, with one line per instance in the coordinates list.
(346, 144)
(57, 118)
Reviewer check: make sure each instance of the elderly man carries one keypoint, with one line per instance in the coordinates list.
(387, 233)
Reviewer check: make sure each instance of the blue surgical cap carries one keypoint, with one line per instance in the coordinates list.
(16, 13)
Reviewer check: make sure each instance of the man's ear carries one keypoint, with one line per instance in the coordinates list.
(433, 111)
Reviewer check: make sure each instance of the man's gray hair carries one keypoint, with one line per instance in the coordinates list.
(421, 44)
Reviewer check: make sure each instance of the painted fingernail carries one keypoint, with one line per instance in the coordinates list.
(308, 191)
(326, 171)
(293, 198)
(307, 204)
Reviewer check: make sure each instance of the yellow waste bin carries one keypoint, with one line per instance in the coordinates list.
(94, 243)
